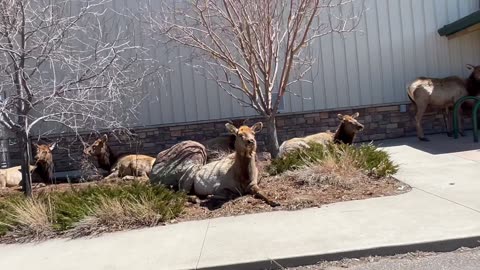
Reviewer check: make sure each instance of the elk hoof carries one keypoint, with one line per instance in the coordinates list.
(423, 139)
(274, 204)
(193, 199)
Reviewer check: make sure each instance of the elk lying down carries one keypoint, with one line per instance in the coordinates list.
(125, 167)
(345, 133)
(184, 167)
(12, 177)
(44, 163)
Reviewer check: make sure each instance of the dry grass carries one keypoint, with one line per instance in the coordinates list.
(328, 173)
(89, 210)
(366, 157)
(29, 219)
(113, 214)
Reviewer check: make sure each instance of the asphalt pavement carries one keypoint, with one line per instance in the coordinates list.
(459, 260)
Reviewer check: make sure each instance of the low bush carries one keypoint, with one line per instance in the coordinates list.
(112, 206)
(366, 157)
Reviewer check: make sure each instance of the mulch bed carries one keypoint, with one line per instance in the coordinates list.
(294, 194)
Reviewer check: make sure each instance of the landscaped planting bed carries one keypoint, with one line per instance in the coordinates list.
(307, 178)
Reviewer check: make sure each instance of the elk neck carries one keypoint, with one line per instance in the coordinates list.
(245, 164)
(342, 136)
(106, 159)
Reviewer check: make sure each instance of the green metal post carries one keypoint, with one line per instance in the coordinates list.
(475, 122)
(456, 107)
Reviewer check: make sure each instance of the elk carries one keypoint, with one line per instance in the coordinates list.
(441, 93)
(12, 177)
(227, 178)
(345, 133)
(124, 167)
(44, 163)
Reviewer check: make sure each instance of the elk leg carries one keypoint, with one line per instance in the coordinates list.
(448, 122)
(112, 175)
(193, 199)
(3, 182)
(421, 108)
(460, 122)
(255, 191)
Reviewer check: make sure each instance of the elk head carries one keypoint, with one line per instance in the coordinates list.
(350, 123)
(245, 142)
(475, 71)
(97, 148)
(44, 153)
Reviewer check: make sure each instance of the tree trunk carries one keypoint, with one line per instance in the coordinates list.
(26, 157)
(272, 139)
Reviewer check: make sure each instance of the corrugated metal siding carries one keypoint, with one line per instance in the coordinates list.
(398, 41)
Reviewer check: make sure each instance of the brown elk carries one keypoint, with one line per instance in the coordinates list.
(426, 92)
(345, 133)
(44, 163)
(232, 176)
(124, 166)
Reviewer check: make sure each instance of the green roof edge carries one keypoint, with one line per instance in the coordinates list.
(460, 24)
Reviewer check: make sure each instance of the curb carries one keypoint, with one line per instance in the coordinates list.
(435, 246)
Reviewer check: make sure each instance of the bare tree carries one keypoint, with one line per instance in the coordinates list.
(254, 50)
(66, 62)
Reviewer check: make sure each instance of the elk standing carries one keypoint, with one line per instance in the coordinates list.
(441, 93)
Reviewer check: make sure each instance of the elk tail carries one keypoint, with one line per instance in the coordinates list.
(410, 93)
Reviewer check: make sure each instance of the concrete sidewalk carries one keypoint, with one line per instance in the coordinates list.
(442, 212)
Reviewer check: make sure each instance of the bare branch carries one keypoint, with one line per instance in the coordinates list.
(252, 47)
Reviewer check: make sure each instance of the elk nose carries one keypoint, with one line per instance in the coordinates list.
(251, 141)
(360, 127)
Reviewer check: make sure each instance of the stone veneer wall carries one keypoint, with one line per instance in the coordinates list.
(382, 122)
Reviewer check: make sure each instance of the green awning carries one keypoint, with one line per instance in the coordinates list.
(461, 24)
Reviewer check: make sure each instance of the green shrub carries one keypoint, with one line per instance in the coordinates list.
(68, 208)
(367, 157)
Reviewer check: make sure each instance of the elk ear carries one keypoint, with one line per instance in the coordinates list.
(104, 138)
(355, 115)
(52, 146)
(257, 127)
(231, 128)
(340, 116)
(470, 67)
